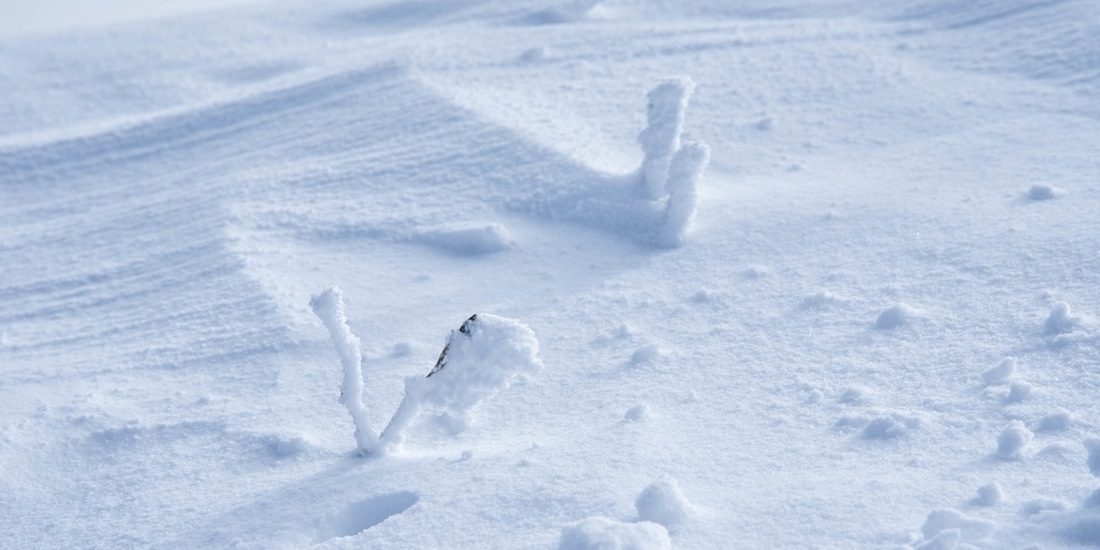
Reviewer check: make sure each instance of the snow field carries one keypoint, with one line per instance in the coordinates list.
(892, 200)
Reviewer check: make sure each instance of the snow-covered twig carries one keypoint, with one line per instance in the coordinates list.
(329, 307)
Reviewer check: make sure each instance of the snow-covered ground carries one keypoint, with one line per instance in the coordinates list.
(871, 321)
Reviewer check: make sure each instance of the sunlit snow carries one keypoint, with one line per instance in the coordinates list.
(684, 274)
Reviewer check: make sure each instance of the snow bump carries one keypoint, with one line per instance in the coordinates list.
(600, 533)
(1012, 440)
(895, 316)
(969, 529)
(467, 239)
(1092, 445)
(989, 495)
(663, 502)
(1060, 320)
(1000, 372)
(1041, 192)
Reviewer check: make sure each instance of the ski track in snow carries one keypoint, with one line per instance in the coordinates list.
(882, 329)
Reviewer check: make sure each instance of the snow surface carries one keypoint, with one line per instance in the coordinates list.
(805, 325)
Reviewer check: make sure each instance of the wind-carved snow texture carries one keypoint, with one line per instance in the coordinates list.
(165, 192)
(654, 205)
(329, 307)
(487, 354)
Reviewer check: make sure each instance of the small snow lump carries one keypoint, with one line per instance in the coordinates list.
(990, 495)
(1060, 320)
(600, 533)
(894, 316)
(1012, 440)
(1000, 372)
(663, 502)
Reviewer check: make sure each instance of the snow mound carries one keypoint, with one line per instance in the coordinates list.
(645, 354)
(535, 54)
(889, 426)
(637, 413)
(878, 425)
(600, 533)
(663, 502)
(1041, 193)
(944, 519)
(895, 316)
(1012, 440)
(854, 396)
(1092, 445)
(1018, 392)
(990, 495)
(467, 239)
(1060, 320)
(1000, 372)
(1055, 422)
(948, 539)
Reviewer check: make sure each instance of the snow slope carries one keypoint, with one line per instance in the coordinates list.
(880, 330)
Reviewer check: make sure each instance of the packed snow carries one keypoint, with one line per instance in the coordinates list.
(704, 274)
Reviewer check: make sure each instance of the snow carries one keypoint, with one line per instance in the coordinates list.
(1000, 372)
(485, 355)
(990, 495)
(969, 529)
(329, 307)
(599, 533)
(840, 281)
(1013, 440)
(664, 503)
